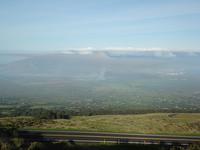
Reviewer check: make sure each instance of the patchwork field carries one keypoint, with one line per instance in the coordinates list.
(158, 123)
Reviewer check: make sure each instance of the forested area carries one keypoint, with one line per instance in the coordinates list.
(41, 113)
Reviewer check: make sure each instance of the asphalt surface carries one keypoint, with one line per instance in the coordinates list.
(102, 137)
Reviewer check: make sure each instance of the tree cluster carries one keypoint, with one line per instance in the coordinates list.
(41, 113)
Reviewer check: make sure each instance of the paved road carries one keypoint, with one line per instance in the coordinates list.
(102, 137)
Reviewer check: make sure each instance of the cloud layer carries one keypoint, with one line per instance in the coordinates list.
(133, 49)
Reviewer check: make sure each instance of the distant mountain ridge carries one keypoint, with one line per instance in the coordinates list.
(97, 62)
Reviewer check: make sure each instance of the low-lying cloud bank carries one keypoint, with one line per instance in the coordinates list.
(131, 51)
(134, 49)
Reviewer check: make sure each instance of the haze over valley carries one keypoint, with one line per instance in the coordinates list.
(104, 81)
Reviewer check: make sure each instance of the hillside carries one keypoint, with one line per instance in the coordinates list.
(158, 123)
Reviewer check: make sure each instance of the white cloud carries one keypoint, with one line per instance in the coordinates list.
(81, 51)
(86, 50)
(134, 49)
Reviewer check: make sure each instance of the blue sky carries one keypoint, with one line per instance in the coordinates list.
(48, 25)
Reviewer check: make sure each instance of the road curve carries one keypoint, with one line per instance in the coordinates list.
(103, 137)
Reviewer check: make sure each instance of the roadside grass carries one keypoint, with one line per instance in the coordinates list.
(157, 123)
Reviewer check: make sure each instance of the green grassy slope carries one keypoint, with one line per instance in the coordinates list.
(158, 123)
